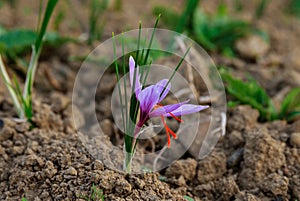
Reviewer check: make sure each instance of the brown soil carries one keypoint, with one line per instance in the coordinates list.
(254, 161)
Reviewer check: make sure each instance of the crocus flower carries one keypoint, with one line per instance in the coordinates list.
(149, 99)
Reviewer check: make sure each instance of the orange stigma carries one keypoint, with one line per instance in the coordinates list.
(168, 132)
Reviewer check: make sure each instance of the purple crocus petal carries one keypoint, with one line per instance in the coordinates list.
(187, 109)
(137, 86)
(166, 109)
(148, 98)
(161, 85)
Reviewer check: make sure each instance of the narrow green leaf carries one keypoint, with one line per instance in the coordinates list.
(176, 69)
(49, 9)
(250, 93)
(188, 198)
(290, 103)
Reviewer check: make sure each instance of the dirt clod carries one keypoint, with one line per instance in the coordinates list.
(295, 139)
(185, 168)
(262, 155)
(213, 167)
(275, 185)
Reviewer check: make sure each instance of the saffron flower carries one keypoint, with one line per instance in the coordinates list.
(150, 105)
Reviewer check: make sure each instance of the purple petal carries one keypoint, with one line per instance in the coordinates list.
(166, 109)
(161, 85)
(137, 86)
(148, 98)
(187, 109)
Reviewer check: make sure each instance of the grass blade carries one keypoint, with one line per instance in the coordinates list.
(49, 10)
(176, 69)
(12, 92)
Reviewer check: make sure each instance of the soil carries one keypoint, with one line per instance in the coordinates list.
(253, 161)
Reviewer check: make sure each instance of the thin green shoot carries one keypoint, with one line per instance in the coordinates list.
(23, 102)
(188, 198)
(8, 83)
(294, 8)
(151, 39)
(176, 69)
(96, 194)
(118, 5)
(261, 9)
(253, 94)
(97, 7)
(187, 17)
(124, 73)
(148, 50)
(118, 78)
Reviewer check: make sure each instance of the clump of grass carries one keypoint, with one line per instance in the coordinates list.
(215, 32)
(251, 93)
(23, 100)
(294, 8)
(97, 8)
(219, 32)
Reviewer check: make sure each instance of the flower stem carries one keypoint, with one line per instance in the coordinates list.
(128, 161)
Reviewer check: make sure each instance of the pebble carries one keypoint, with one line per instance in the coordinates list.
(235, 158)
(252, 47)
(71, 171)
(295, 140)
(1, 123)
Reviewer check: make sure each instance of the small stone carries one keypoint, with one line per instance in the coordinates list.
(98, 165)
(22, 127)
(44, 195)
(18, 150)
(50, 169)
(295, 140)
(71, 171)
(235, 158)
(252, 47)
(1, 123)
(181, 181)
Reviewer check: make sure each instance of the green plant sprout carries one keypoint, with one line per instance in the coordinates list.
(253, 94)
(294, 8)
(96, 194)
(188, 198)
(16, 42)
(97, 8)
(23, 100)
(217, 32)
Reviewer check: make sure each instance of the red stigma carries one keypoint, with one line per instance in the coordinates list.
(168, 132)
(177, 119)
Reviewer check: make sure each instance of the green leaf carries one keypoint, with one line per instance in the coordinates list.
(188, 198)
(250, 93)
(49, 9)
(290, 104)
(218, 32)
(294, 8)
(17, 40)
